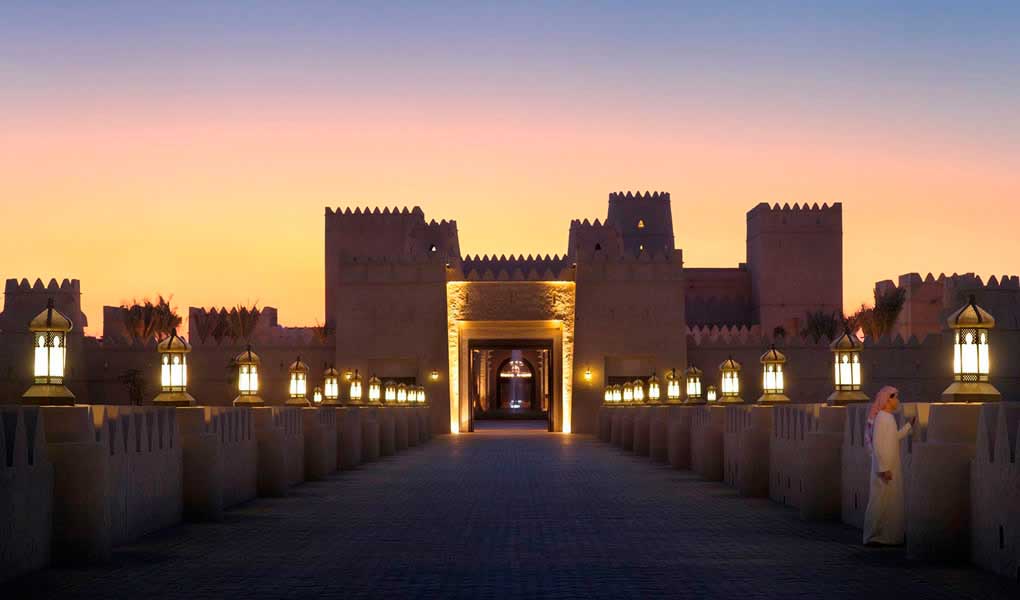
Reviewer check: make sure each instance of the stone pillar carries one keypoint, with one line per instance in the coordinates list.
(281, 446)
(679, 432)
(821, 461)
(400, 423)
(658, 433)
(319, 425)
(627, 427)
(203, 465)
(642, 418)
(707, 424)
(387, 431)
(746, 448)
(938, 488)
(995, 485)
(370, 449)
(616, 427)
(413, 435)
(348, 426)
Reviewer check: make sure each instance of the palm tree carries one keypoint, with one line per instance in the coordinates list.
(243, 321)
(820, 324)
(146, 321)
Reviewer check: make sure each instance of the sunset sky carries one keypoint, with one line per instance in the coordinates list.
(191, 149)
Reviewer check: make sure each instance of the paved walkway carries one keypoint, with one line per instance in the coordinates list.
(505, 513)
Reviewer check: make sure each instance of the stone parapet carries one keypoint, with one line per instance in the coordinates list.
(320, 431)
(707, 424)
(679, 436)
(26, 492)
(746, 448)
(219, 459)
(995, 490)
(281, 449)
(348, 428)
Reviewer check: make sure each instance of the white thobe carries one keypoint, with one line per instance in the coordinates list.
(885, 520)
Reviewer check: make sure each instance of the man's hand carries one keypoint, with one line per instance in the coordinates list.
(886, 476)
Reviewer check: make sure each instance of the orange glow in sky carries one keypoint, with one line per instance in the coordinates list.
(207, 180)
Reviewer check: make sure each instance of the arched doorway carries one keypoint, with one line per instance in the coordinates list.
(511, 379)
(516, 386)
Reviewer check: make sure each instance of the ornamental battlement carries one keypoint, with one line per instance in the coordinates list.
(628, 196)
(15, 286)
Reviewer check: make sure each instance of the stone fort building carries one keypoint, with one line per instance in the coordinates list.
(542, 335)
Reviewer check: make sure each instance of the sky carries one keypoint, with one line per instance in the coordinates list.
(189, 148)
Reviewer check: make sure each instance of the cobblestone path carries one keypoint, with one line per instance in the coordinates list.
(506, 513)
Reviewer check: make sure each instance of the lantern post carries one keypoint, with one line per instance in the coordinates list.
(248, 364)
(730, 382)
(297, 394)
(694, 393)
(773, 379)
(49, 345)
(846, 352)
(173, 372)
(971, 326)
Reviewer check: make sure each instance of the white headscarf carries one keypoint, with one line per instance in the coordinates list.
(881, 399)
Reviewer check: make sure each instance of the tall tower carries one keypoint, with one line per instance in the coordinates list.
(645, 221)
(795, 260)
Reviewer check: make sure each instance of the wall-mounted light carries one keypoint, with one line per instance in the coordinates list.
(434, 375)
(587, 374)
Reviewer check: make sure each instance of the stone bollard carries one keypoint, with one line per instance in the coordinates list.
(821, 460)
(387, 431)
(627, 427)
(616, 427)
(369, 434)
(641, 433)
(413, 435)
(26, 492)
(203, 465)
(938, 487)
(658, 433)
(78, 449)
(400, 422)
(280, 437)
(707, 424)
(995, 490)
(424, 424)
(319, 424)
(746, 448)
(605, 424)
(679, 433)
(348, 426)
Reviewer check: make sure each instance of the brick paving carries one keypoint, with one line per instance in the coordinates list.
(510, 513)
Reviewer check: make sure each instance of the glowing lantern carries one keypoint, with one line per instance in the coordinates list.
(331, 386)
(638, 389)
(673, 387)
(374, 389)
(49, 343)
(421, 394)
(693, 375)
(317, 395)
(298, 392)
(729, 372)
(653, 388)
(710, 394)
(773, 381)
(617, 393)
(355, 391)
(434, 375)
(247, 378)
(587, 374)
(173, 371)
(971, 327)
(846, 351)
(402, 393)
(628, 393)
(389, 392)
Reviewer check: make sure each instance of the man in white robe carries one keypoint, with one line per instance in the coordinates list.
(885, 520)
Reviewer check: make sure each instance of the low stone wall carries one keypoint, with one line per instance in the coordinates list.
(642, 440)
(26, 492)
(371, 448)
(76, 480)
(960, 466)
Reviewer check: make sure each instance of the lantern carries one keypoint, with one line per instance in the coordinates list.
(49, 343)
(773, 384)
(607, 395)
(421, 394)
(434, 375)
(587, 374)
(374, 389)
(693, 375)
(402, 393)
(846, 351)
(672, 386)
(638, 388)
(616, 393)
(628, 392)
(247, 378)
(298, 389)
(355, 391)
(173, 371)
(653, 388)
(389, 392)
(331, 386)
(729, 373)
(710, 394)
(971, 326)
(317, 395)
